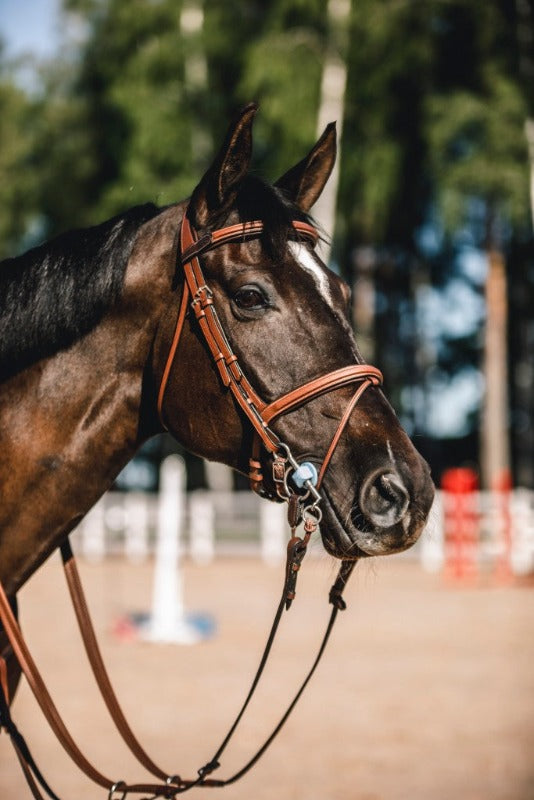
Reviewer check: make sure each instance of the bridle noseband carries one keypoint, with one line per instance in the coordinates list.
(197, 294)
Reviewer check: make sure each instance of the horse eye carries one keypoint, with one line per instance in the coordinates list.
(249, 298)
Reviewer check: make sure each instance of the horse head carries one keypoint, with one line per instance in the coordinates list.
(283, 324)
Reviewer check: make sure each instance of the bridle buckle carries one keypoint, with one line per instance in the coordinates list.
(202, 296)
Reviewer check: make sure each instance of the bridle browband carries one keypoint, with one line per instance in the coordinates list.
(296, 483)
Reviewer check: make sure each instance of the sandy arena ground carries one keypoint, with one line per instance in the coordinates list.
(426, 691)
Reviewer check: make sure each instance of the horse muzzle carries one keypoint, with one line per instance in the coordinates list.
(387, 514)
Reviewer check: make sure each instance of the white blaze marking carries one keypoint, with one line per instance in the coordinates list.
(305, 259)
(390, 452)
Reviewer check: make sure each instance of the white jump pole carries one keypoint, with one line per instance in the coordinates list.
(168, 622)
(201, 528)
(432, 552)
(136, 527)
(273, 532)
(93, 527)
(522, 552)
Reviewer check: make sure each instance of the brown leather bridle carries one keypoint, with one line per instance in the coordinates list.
(295, 483)
(197, 294)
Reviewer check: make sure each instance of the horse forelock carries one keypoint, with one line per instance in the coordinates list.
(258, 200)
(57, 292)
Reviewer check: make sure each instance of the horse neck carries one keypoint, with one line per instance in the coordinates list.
(70, 423)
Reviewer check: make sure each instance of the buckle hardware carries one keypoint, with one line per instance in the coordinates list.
(202, 294)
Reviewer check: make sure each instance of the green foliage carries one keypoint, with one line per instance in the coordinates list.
(132, 83)
(17, 177)
(388, 74)
(433, 109)
(478, 149)
(271, 53)
(63, 156)
(289, 91)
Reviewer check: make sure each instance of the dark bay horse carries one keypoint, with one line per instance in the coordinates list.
(87, 322)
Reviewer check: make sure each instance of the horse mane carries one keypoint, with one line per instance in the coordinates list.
(57, 292)
(54, 294)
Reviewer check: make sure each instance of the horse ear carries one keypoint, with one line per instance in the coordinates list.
(304, 182)
(217, 190)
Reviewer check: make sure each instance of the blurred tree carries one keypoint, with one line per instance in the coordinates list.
(478, 153)
(521, 277)
(130, 81)
(64, 155)
(332, 107)
(282, 69)
(17, 178)
(155, 83)
(478, 150)
(525, 44)
(382, 192)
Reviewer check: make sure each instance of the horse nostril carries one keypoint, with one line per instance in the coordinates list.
(384, 499)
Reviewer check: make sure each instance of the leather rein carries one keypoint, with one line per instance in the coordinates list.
(296, 483)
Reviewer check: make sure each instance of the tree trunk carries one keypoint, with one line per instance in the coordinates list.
(495, 444)
(525, 43)
(331, 106)
(364, 300)
(529, 132)
(195, 73)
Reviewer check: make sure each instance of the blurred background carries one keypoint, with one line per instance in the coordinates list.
(426, 690)
(109, 103)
